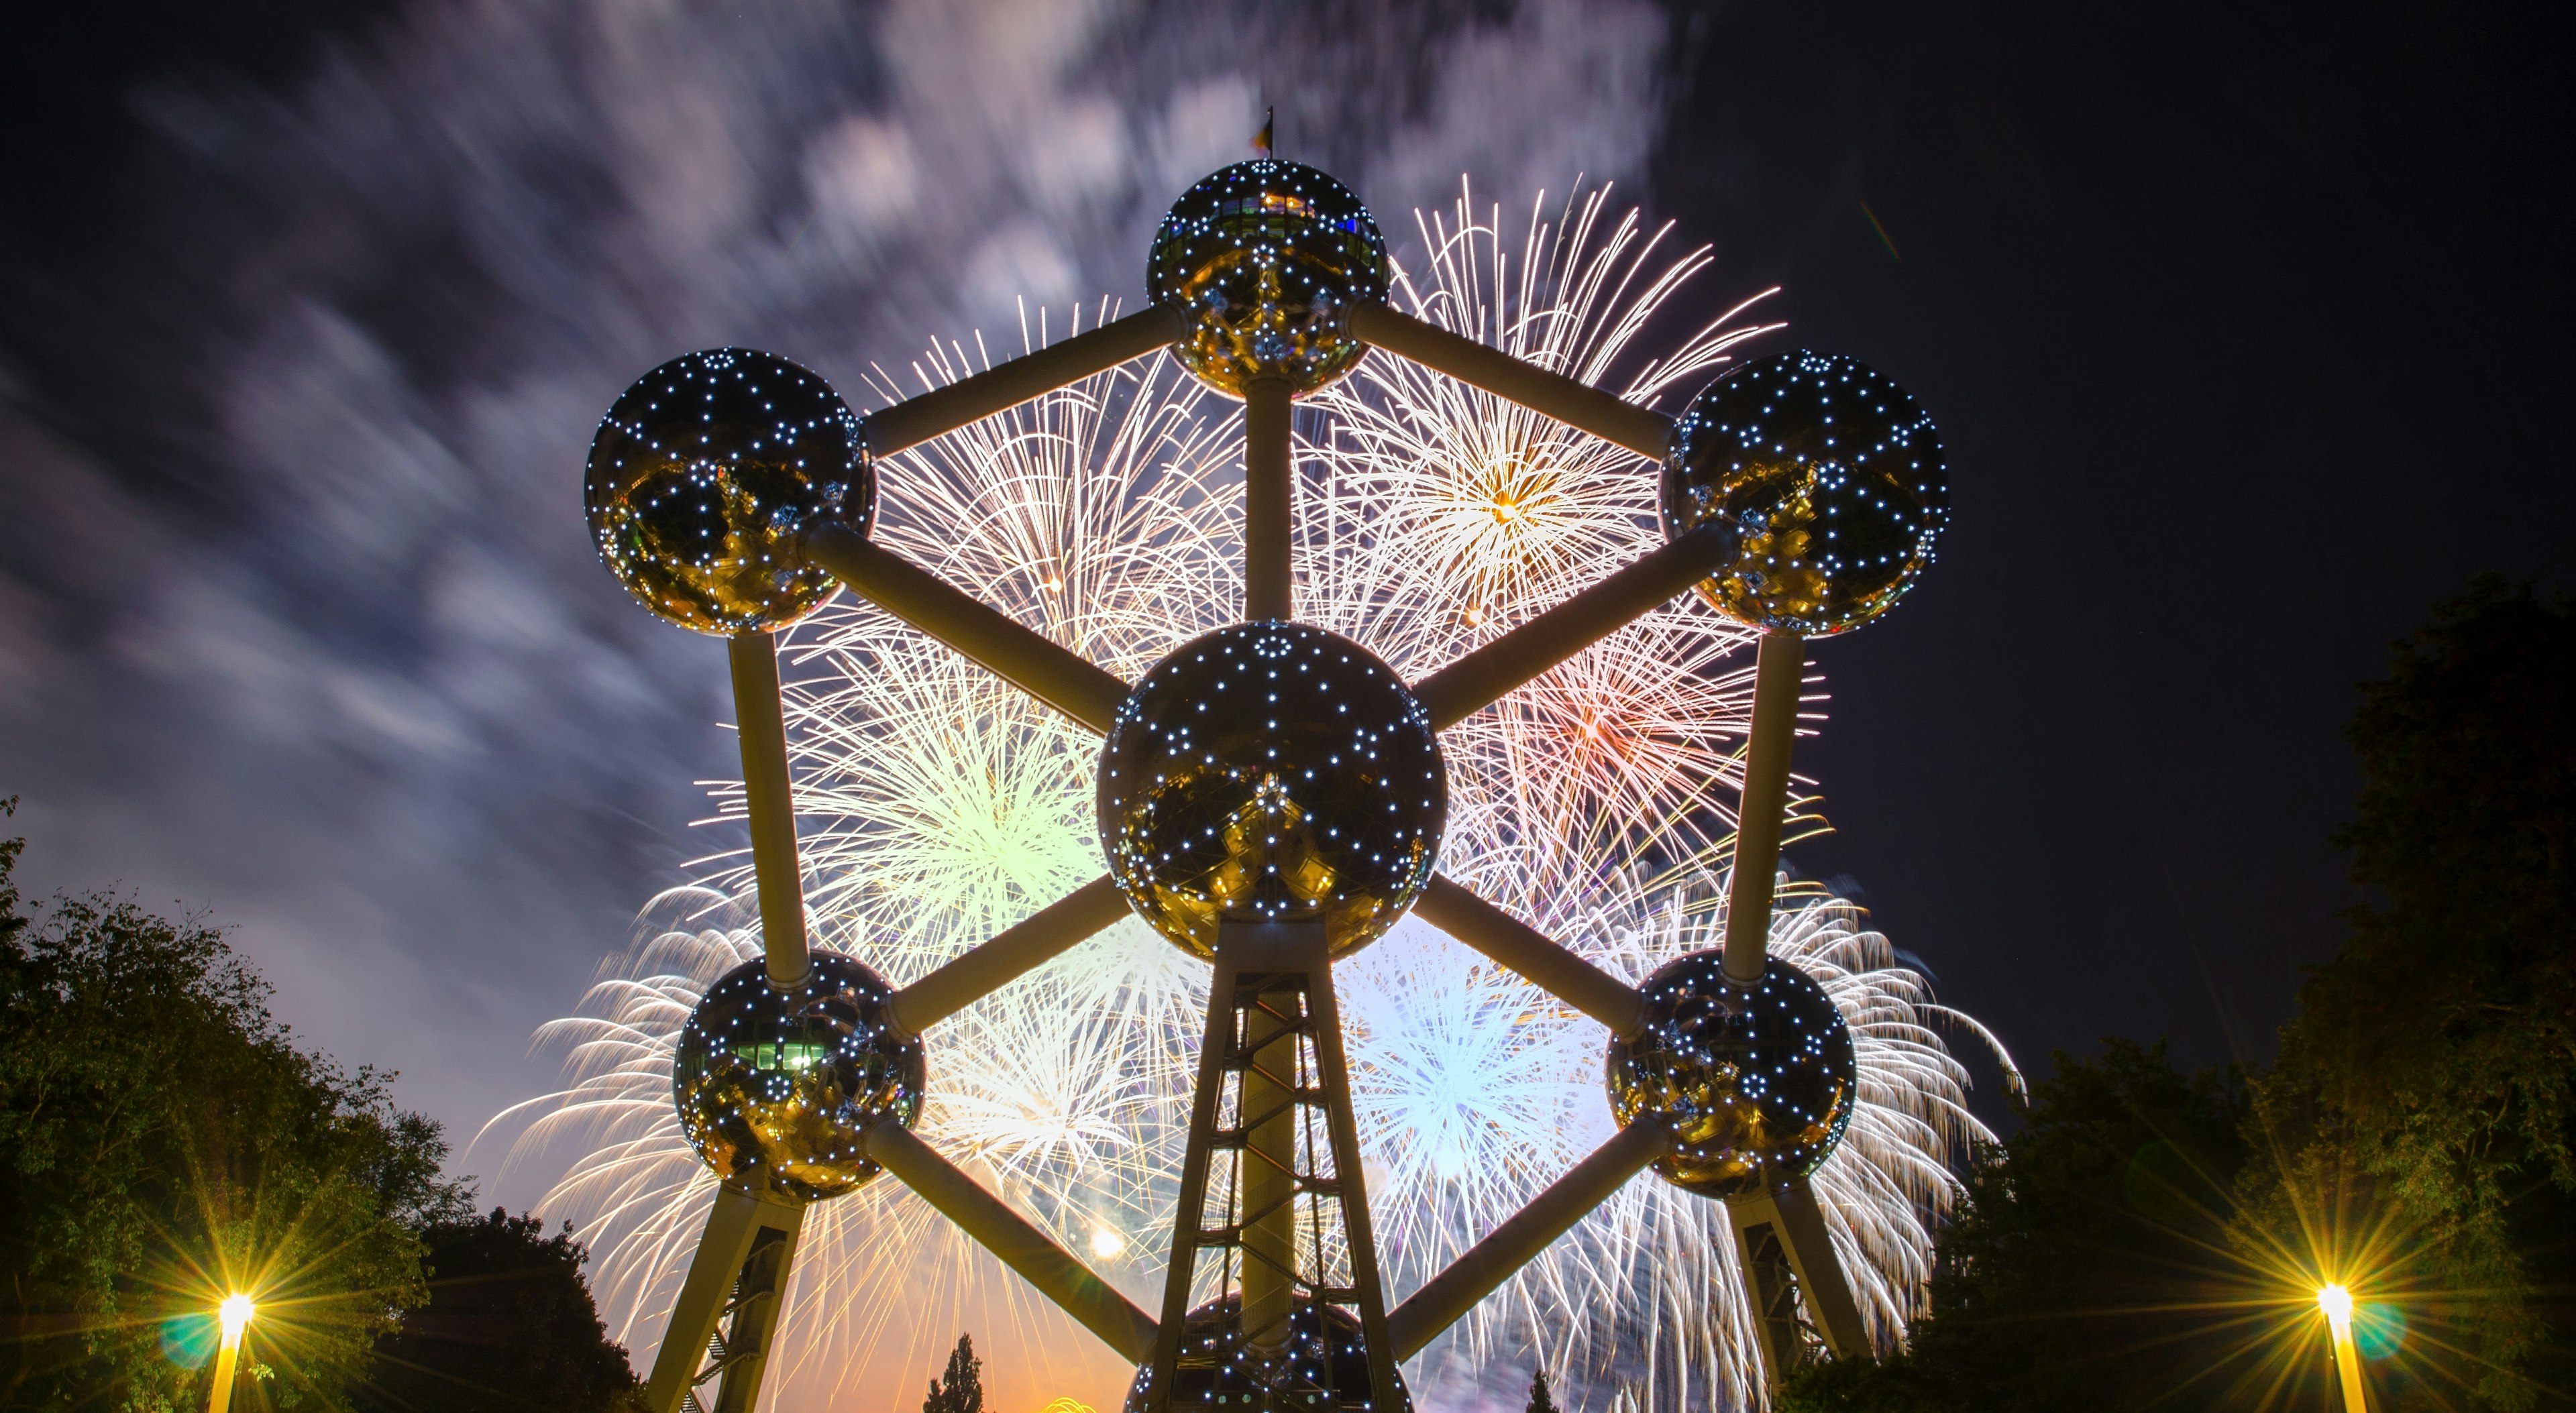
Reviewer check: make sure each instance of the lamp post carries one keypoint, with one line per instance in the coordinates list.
(2336, 1302)
(235, 1313)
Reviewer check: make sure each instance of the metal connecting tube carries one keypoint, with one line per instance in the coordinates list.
(1019, 655)
(1269, 502)
(1483, 677)
(1448, 1296)
(1577, 404)
(1456, 910)
(1006, 385)
(1021, 1246)
(1010, 954)
(1779, 666)
(769, 800)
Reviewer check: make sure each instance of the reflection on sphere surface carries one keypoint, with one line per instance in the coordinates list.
(1264, 260)
(703, 474)
(781, 1086)
(1272, 772)
(1324, 1367)
(1831, 477)
(1758, 1083)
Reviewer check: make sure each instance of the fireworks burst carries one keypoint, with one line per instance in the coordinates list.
(938, 806)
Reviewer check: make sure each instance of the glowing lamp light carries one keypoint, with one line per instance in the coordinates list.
(2336, 1302)
(235, 1314)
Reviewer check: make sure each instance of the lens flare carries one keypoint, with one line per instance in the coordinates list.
(937, 807)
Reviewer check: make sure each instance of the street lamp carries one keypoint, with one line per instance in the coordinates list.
(2336, 1302)
(235, 1312)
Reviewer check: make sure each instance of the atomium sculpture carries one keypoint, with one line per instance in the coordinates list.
(1270, 797)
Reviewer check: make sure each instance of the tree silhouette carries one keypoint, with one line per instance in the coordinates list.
(961, 1390)
(1539, 1402)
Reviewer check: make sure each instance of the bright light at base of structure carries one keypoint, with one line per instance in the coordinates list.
(2337, 1303)
(236, 1312)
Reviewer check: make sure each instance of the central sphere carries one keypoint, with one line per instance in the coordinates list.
(781, 1085)
(1264, 260)
(1323, 1369)
(1272, 772)
(1757, 1081)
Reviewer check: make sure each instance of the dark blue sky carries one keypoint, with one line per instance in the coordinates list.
(2242, 331)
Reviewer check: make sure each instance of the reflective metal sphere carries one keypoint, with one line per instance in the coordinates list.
(1324, 1367)
(1833, 479)
(1265, 259)
(1272, 772)
(704, 472)
(1758, 1083)
(780, 1085)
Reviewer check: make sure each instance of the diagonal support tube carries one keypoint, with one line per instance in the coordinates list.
(1006, 385)
(770, 802)
(1455, 909)
(1269, 502)
(1482, 1268)
(1576, 404)
(1086, 1297)
(1019, 655)
(1778, 670)
(1483, 677)
(1010, 954)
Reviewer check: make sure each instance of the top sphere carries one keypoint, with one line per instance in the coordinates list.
(703, 474)
(1264, 260)
(1272, 772)
(1830, 475)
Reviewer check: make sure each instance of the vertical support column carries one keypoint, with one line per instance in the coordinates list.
(1269, 501)
(724, 1322)
(1271, 997)
(1267, 1166)
(1779, 667)
(770, 802)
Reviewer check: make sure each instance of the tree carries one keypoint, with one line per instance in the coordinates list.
(508, 1323)
(2424, 1086)
(163, 1141)
(2144, 1238)
(2080, 1269)
(961, 1390)
(1539, 1402)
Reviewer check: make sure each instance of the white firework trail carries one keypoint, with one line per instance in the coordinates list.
(938, 806)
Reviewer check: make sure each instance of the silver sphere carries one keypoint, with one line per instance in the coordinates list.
(1272, 772)
(779, 1087)
(1323, 1369)
(1757, 1082)
(1832, 480)
(704, 473)
(1264, 260)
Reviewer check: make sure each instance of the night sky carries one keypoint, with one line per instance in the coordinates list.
(2244, 332)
